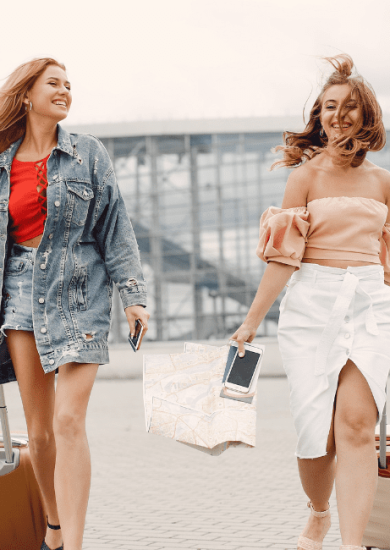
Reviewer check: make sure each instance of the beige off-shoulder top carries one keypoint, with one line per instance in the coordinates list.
(340, 228)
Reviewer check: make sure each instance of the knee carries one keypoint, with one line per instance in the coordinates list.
(39, 439)
(356, 430)
(68, 425)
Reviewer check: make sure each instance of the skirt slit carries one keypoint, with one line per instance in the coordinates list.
(362, 336)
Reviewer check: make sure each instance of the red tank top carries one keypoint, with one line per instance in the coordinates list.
(27, 201)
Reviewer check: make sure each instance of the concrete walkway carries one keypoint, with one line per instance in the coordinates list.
(125, 364)
(149, 492)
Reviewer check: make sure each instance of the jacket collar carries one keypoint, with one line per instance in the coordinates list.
(63, 144)
(7, 156)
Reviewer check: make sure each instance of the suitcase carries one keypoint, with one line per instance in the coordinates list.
(23, 520)
(377, 533)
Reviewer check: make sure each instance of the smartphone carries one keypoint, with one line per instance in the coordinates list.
(136, 340)
(229, 360)
(244, 369)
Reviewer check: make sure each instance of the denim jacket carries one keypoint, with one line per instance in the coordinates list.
(88, 243)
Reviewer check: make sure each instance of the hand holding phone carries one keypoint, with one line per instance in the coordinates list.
(136, 340)
(245, 369)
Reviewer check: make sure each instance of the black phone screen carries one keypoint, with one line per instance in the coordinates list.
(134, 341)
(243, 368)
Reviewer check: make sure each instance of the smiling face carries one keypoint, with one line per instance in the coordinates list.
(50, 95)
(340, 106)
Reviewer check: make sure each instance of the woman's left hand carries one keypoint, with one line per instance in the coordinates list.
(137, 312)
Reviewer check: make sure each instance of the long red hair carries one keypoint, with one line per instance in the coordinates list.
(302, 146)
(12, 109)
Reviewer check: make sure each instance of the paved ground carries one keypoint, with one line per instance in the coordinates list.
(125, 364)
(149, 492)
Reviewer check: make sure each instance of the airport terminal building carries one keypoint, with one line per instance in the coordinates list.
(195, 190)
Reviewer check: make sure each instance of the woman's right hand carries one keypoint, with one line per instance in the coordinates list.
(274, 279)
(245, 333)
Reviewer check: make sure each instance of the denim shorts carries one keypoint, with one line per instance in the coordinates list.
(17, 289)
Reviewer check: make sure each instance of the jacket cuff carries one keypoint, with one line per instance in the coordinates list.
(134, 296)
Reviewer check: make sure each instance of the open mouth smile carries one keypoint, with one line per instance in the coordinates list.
(345, 126)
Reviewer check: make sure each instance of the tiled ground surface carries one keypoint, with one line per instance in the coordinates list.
(151, 492)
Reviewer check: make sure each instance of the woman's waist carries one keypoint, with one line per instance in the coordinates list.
(339, 258)
(22, 251)
(339, 264)
(317, 272)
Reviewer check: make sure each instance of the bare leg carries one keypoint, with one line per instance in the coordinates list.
(357, 466)
(73, 467)
(352, 436)
(317, 477)
(37, 393)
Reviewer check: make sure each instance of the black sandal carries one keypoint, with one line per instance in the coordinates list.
(56, 528)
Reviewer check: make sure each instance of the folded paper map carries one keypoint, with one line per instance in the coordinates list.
(182, 400)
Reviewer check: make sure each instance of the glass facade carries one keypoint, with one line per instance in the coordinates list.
(195, 203)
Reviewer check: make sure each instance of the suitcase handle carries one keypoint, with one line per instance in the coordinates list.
(9, 455)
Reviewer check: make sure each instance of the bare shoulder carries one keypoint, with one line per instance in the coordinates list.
(297, 186)
(385, 183)
(384, 177)
(381, 176)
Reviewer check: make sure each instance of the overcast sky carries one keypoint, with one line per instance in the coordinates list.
(163, 59)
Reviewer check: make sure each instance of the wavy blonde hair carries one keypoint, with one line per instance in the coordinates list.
(300, 147)
(12, 109)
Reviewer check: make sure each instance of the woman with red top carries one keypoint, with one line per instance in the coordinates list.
(28, 195)
(330, 237)
(69, 238)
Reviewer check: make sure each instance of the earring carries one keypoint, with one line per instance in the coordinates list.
(30, 105)
(322, 133)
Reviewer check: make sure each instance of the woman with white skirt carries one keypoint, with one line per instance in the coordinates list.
(332, 238)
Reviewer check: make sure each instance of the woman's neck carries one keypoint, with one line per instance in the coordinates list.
(336, 161)
(38, 142)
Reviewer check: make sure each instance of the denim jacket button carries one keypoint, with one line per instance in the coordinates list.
(57, 203)
(43, 330)
(41, 300)
(43, 266)
(51, 236)
(51, 362)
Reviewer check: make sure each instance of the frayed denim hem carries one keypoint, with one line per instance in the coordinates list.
(8, 326)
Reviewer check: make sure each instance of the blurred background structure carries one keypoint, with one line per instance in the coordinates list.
(195, 190)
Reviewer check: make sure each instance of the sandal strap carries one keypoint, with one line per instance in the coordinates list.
(55, 527)
(307, 544)
(45, 546)
(352, 547)
(323, 515)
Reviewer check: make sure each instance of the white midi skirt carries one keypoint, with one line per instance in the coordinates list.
(327, 316)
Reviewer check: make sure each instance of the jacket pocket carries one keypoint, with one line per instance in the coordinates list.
(15, 267)
(79, 289)
(79, 199)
